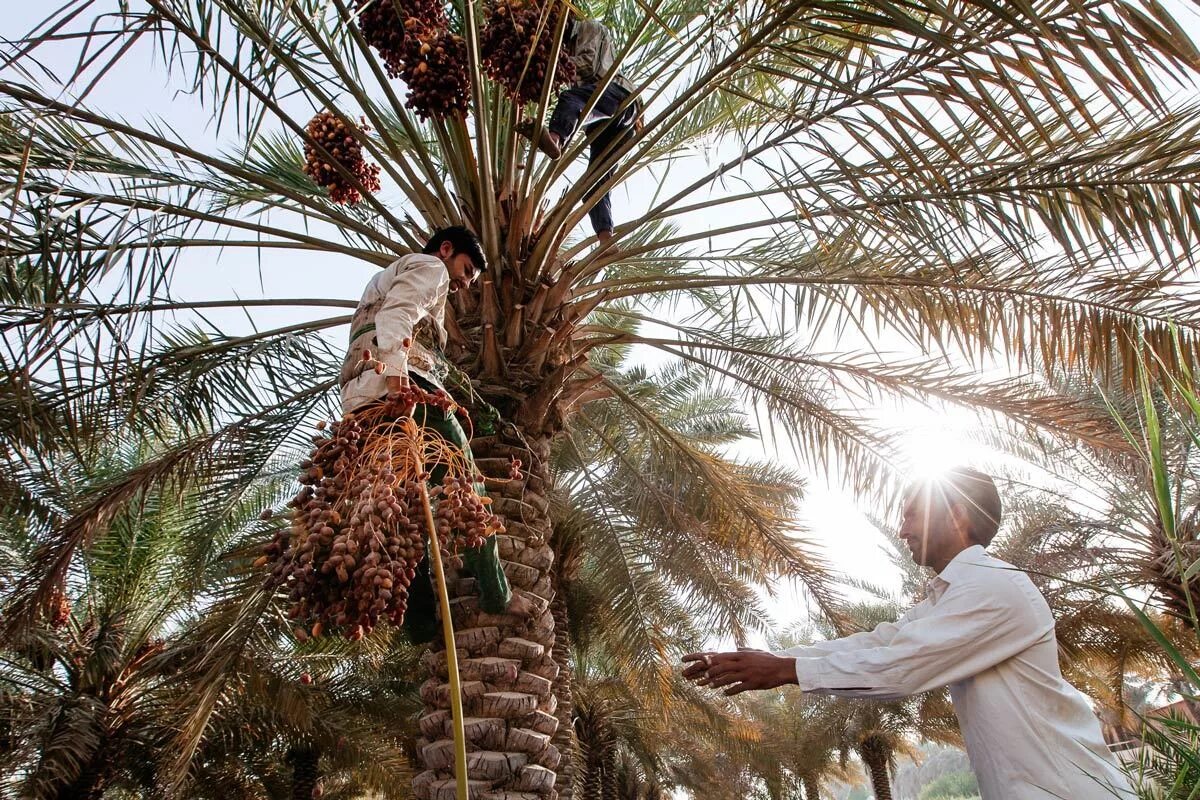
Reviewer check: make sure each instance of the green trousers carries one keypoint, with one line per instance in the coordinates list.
(482, 563)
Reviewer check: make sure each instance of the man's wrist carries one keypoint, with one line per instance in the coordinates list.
(787, 670)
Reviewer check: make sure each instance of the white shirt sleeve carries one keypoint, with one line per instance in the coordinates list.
(880, 636)
(969, 629)
(416, 285)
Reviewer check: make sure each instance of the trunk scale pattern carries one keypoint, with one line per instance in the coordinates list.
(506, 663)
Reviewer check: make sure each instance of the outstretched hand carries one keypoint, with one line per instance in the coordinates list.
(740, 671)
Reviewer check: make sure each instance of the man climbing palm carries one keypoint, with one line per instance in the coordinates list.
(399, 325)
(592, 51)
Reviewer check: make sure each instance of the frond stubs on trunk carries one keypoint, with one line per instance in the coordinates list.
(506, 662)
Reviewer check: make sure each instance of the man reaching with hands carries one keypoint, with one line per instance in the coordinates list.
(985, 631)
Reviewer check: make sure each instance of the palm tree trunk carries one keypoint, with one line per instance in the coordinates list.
(90, 785)
(812, 788)
(564, 738)
(876, 760)
(1166, 574)
(598, 755)
(305, 772)
(591, 784)
(507, 664)
(92, 778)
(608, 774)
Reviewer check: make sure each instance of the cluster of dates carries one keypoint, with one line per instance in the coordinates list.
(358, 524)
(385, 25)
(516, 44)
(414, 39)
(340, 145)
(416, 43)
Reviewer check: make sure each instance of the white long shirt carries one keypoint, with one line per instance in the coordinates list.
(407, 291)
(985, 631)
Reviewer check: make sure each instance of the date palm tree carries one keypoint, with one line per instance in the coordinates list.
(346, 729)
(90, 698)
(802, 744)
(637, 744)
(637, 584)
(84, 691)
(967, 178)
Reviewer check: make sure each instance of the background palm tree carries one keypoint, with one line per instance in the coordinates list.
(637, 583)
(969, 177)
(637, 745)
(87, 690)
(1168, 763)
(803, 744)
(880, 732)
(92, 697)
(314, 716)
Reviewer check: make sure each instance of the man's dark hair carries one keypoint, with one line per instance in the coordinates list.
(977, 493)
(971, 490)
(462, 240)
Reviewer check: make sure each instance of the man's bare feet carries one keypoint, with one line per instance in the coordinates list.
(605, 247)
(547, 142)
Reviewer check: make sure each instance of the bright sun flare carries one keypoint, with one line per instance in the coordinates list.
(932, 441)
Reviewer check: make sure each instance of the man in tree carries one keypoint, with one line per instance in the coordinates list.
(396, 338)
(984, 630)
(590, 47)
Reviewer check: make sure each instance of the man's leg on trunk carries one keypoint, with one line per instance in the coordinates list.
(563, 121)
(611, 137)
(482, 562)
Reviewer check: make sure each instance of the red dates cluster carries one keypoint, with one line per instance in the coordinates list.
(358, 523)
(414, 40)
(341, 145)
(462, 518)
(386, 24)
(516, 44)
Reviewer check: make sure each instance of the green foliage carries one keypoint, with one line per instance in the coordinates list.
(91, 701)
(1169, 761)
(954, 786)
(1168, 765)
(659, 540)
